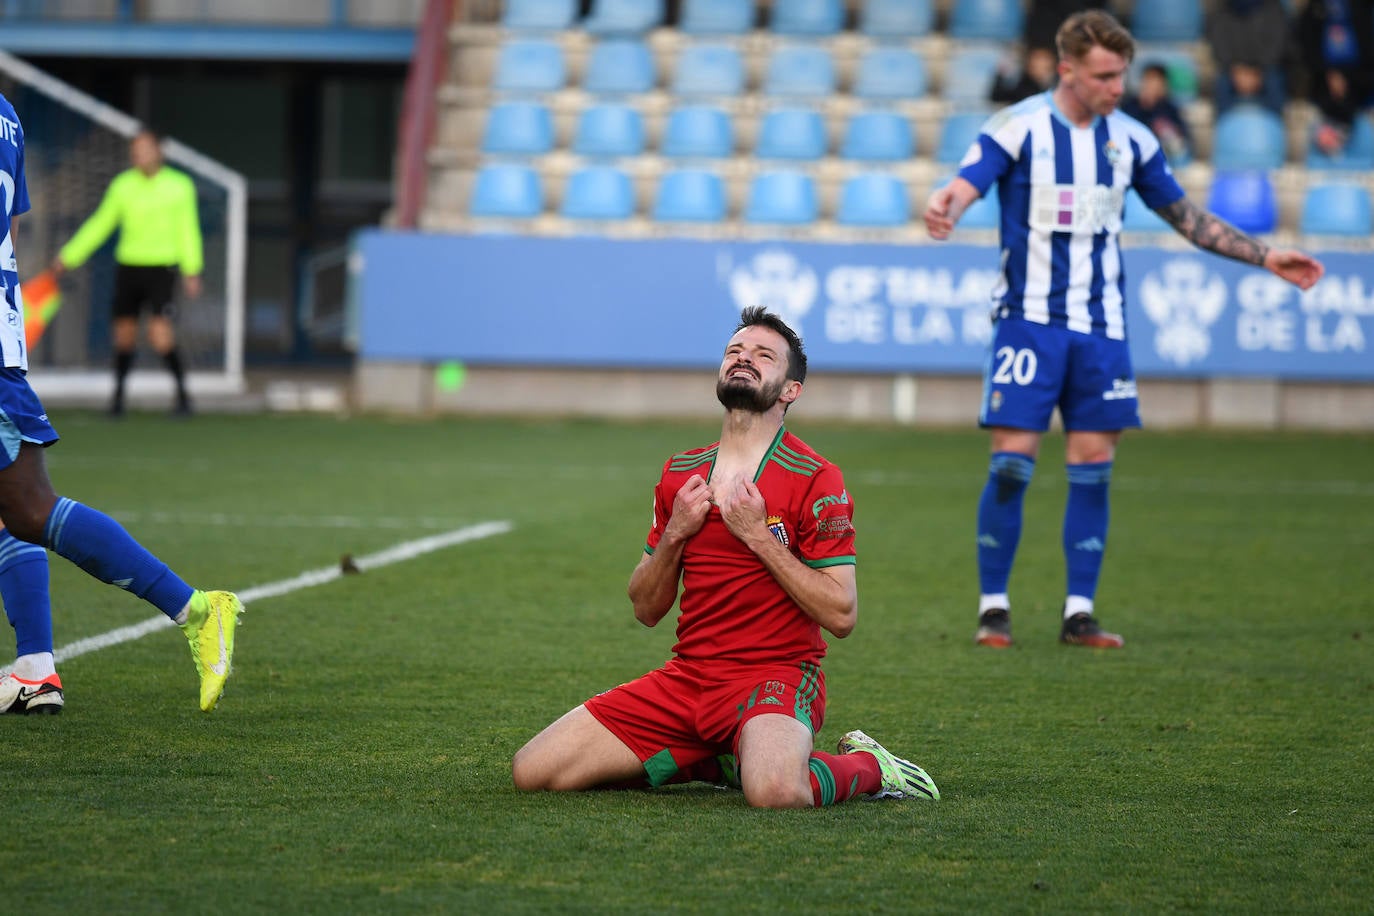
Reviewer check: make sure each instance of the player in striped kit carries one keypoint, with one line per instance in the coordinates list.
(1063, 162)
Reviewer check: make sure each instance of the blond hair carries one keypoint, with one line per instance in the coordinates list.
(1089, 29)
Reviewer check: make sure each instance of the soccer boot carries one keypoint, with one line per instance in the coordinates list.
(209, 628)
(19, 697)
(901, 778)
(994, 628)
(729, 771)
(1082, 629)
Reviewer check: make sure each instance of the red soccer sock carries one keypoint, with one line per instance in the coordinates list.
(840, 777)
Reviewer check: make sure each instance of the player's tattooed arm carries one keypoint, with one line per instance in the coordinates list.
(1210, 232)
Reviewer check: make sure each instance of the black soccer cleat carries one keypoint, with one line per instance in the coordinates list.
(994, 628)
(1082, 629)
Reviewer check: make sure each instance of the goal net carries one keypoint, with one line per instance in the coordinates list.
(74, 144)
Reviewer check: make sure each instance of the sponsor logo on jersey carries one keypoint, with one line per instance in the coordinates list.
(1123, 389)
(819, 505)
(833, 528)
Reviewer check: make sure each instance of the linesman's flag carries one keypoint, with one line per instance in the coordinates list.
(42, 298)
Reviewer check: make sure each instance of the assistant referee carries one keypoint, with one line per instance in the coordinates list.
(153, 206)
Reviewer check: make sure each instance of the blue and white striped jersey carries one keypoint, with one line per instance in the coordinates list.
(1062, 191)
(16, 195)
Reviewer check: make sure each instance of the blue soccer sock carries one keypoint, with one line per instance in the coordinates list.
(24, 589)
(101, 546)
(999, 518)
(1085, 526)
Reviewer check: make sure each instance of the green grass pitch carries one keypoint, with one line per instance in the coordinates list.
(359, 760)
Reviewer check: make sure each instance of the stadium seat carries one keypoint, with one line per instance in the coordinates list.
(800, 71)
(698, 131)
(1245, 199)
(807, 17)
(1337, 209)
(624, 17)
(598, 192)
(690, 196)
(619, 66)
(609, 130)
(530, 65)
(782, 197)
(878, 136)
(1358, 155)
(708, 70)
(969, 74)
(539, 15)
(890, 73)
(983, 213)
(518, 128)
(897, 19)
(1167, 20)
(986, 20)
(1140, 218)
(507, 190)
(1248, 137)
(957, 134)
(791, 133)
(717, 17)
(874, 199)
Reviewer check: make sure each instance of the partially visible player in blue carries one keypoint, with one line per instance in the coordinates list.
(1063, 162)
(35, 517)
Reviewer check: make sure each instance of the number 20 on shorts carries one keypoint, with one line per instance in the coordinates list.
(1014, 365)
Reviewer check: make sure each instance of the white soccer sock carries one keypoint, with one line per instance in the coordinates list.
(34, 667)
(988, 602)
(1077, 604)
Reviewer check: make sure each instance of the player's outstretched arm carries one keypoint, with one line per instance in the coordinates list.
(654, 582)
(1212, 233)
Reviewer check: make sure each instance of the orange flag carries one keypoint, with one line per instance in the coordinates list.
(42, 298)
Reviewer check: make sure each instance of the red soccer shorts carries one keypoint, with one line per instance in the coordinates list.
(684, 712)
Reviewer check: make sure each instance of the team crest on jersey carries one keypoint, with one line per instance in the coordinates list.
(779, 530)
(1112, 152)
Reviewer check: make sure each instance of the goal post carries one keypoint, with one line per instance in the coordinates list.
(74, 145)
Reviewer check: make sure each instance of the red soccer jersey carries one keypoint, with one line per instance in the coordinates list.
(733, 610)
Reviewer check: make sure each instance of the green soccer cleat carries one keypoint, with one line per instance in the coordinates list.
(209, 628)
(901, 778)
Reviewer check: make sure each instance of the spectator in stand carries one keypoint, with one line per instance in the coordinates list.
(1336, 37)
(1035, 76)
(1249, 42)
(1152, 106)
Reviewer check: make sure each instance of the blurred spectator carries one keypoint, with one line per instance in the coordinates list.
(1036, 75)
(1152, 106)
(1043, 18)
(1335, 37)
(1249, 41)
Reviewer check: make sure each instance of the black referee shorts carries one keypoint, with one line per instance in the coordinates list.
(140, 289)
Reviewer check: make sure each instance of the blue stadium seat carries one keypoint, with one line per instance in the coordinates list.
(874, 199)
(609, 130)
(969, 74)
(539, 15)
(878, 136)
(957, 134)
(619, 66)
(698, 131)
(507, 190)
(1167, 20)
(717, 17)
(1337, 209)
(708, 70)
(890, 73)
(782, 197)
(530, 65)
(624, 17)
(518, 128)
(800, 71)
(986, 20)
(886, 19)
(598, 192)
(1358, 155)
(690, 196)
(1140, 218)
(1245, 199)
(983, 213)
(791, 133)
(1248, 137)
(807, 17)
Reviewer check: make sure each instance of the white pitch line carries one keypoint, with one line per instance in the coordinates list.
(407, 550)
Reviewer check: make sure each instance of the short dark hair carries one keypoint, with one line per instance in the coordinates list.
(1157, 69)
(796, 353)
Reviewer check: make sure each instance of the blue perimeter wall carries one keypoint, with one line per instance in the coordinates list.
(595, 302)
